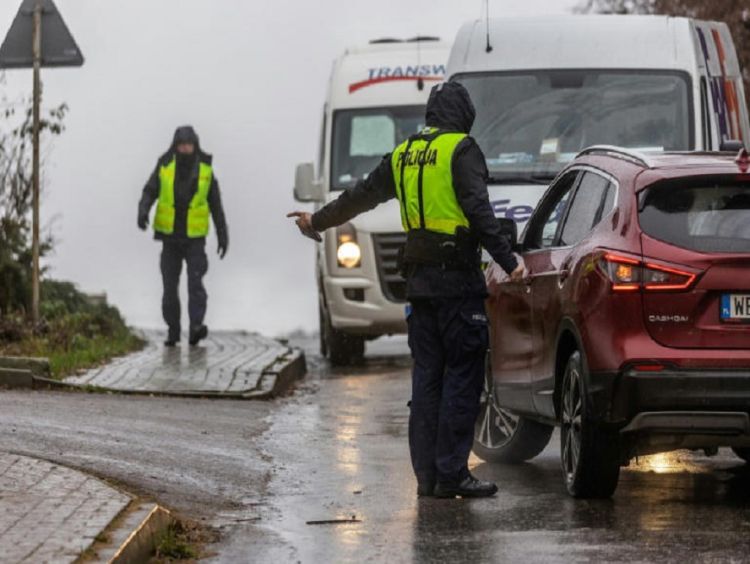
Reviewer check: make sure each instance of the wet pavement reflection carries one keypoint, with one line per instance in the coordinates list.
(340, 452)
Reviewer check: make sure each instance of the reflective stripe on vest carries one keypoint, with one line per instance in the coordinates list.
(424, 182)
(198, 211)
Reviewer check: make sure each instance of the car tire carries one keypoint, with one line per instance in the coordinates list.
(502, 437)
(590, 455)
(743, 453)
(341, 349)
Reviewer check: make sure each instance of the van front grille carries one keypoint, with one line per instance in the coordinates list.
(387, 246)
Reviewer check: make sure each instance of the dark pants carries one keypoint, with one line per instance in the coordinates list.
(448, 338)
(173, 253)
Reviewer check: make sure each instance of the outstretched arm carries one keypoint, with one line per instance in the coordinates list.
(377, 188)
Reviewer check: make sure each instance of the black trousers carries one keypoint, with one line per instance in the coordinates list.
(448, 338)
(174, 252)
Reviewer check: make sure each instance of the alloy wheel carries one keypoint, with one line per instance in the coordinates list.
(572, 411)
(495, 426)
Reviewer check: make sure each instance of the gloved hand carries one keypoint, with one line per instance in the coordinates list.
(142, 221)
(223, 244)
(304, 223)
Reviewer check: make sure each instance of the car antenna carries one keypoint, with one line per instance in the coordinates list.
(487, 19)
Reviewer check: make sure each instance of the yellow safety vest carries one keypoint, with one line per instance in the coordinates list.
(424, 182)
(198, 211)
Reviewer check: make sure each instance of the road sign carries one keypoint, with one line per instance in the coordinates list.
(38, 38)
(59, 49)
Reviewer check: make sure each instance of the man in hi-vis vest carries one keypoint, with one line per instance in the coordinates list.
(439, 176)
(186, 193)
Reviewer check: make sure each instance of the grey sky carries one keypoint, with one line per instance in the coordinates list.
(251, 77)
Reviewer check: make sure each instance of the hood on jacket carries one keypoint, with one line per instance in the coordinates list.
(450, 107)
(186, 134)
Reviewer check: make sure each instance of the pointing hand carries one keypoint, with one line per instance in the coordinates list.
(304, 222)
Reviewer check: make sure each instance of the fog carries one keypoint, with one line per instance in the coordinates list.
(251, 77)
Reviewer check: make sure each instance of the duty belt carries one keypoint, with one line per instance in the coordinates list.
(451, 252)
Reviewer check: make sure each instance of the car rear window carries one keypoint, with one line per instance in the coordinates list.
(707, 216)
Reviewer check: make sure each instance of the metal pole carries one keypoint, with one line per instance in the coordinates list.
(37, 47)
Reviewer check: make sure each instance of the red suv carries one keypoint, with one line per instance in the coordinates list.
(631, 330)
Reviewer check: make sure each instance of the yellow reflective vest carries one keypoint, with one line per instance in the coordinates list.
(424, 182)
(198, 211)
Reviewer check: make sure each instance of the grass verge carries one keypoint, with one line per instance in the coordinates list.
(76, 333)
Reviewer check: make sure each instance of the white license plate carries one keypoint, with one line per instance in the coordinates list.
(735, 307)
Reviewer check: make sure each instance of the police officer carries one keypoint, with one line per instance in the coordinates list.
(440, 179)
(186, 192)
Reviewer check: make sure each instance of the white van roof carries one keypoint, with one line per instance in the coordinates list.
(602, 42)
(386, 74)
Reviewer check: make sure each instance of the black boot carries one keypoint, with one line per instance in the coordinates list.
(197, 334)
(468, 487)
(173, 337)
(426, 489)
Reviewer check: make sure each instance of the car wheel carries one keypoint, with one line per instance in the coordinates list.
(501, 436)
(342, 349)
(589, 454)
(743, 453)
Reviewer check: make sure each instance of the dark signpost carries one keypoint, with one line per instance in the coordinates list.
(38, 37)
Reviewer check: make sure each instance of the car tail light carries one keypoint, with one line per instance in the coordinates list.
(630, 275)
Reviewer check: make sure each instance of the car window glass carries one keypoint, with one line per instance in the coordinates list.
(543, 226)
(585, 208)
(609, 202)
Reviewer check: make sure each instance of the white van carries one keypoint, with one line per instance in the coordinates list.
(376, 99)
(546, 88)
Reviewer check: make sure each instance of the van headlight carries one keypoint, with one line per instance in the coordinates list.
(348, 253)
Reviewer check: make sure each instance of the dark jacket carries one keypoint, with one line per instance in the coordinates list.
(449, 108)
(185, 187)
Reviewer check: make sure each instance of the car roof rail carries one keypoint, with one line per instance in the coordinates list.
(629, 155)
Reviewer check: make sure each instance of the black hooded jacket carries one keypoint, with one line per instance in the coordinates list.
(449, 108)
(185, 187)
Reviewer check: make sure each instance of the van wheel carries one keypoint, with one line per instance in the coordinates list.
(341, 349)
(743, 453)
(500, 436)
(589, 454)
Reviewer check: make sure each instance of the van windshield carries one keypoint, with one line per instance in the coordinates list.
(361, 137)
(530, 124)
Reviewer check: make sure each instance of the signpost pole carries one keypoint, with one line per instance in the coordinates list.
(37, 50)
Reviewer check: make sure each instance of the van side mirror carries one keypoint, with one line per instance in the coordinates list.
(509, 229)
(731, 146)
(306, 188)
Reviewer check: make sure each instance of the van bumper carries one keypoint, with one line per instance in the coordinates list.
(359, 307)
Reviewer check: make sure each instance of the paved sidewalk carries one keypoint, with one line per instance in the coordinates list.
(49, 513)
(227, 364)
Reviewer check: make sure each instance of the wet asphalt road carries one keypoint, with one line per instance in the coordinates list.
(337, 448)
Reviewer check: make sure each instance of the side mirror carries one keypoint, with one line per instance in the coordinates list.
(731, 146)
(509, 229)
(306, 188)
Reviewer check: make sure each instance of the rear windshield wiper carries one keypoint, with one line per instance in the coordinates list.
(531, 179)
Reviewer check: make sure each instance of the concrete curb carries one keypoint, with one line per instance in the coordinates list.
(20, 372)
(37, 366)
(16, 378)
(135, 538)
